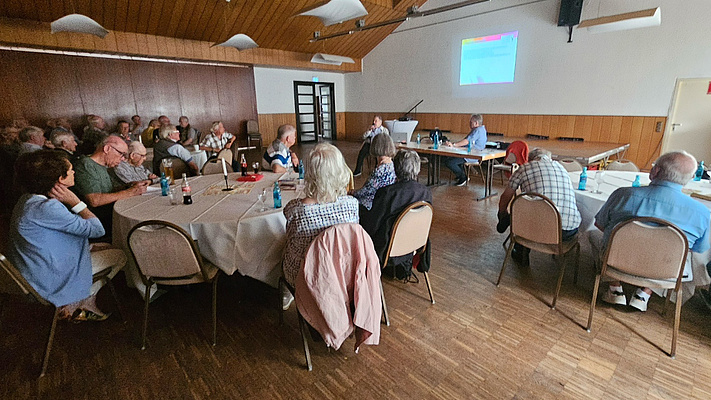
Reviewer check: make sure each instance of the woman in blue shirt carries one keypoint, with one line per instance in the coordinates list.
(49, 236)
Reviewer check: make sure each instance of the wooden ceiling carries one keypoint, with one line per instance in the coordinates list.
(271, 23)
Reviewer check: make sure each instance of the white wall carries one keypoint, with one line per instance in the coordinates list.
(617, 73)
(275, 88)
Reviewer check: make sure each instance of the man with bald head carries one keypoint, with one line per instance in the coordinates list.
(132, 169)
(661, 199)
(94, 185)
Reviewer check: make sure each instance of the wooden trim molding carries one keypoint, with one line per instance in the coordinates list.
(24, 33)
(641, 133)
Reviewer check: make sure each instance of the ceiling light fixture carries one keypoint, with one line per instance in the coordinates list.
(412, 12)
(332, 12)
(330, 59)
(239, 41)
(619, 22)
(78, 23)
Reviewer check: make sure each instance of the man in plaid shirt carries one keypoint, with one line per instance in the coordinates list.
(544, 176)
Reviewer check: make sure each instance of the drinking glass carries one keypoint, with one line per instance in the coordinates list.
(255, 167)
(599, 179)
(168, 169)
(263, 200)
(175, 197)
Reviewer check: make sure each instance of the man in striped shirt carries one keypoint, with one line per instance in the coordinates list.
(279, 156)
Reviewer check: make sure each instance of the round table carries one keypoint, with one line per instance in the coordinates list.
(229, 228)
(589, 203)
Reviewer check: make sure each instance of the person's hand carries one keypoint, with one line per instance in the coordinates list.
(294, 159)
(64, 195)
(152, 176)
(138, 188)
(448, 143)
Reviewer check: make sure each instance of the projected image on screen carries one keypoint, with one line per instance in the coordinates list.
(488, 59)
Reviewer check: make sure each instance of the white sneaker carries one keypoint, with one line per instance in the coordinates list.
(286, 300)
(616, 297)
(639, 301)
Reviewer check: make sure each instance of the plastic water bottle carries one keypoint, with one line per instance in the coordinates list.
(436, 140)
(164, 186)
(419, 139)
(583, 179)
(187, 192)
(469, 146)
(636, 182)
(301, 169)
(277, 195)
(699, 172)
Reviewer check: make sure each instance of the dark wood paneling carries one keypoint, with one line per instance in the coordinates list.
(42, 86)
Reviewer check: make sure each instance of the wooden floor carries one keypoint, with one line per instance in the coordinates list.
(478, 341)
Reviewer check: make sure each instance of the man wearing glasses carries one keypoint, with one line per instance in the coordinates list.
(132, 170)
(94, 185)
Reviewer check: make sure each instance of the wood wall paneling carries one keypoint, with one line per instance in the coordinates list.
(42, 86)
(639, 132)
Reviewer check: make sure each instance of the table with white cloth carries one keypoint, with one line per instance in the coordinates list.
(589, 203)
(230, 230)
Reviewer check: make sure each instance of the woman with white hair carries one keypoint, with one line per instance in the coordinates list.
(326, 204)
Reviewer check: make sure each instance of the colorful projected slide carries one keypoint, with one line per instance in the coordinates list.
(488, 59)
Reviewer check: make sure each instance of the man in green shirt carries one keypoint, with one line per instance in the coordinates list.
(94, 185)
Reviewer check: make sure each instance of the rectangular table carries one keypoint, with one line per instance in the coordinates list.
(433, 171)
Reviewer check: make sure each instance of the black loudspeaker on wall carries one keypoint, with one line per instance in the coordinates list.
(569, 14)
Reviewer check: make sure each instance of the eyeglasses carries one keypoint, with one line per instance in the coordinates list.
(123, 155)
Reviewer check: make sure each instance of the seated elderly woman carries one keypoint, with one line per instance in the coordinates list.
(326, 204)
(49, 238)
(383, 148)
(132, 169)
(390, 201)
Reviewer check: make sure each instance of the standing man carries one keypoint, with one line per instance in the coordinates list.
(661, 199)
(279, 156)
(477, 137)
(94, 186)
(544, 176)
(368, 136)
(168, 146)
(217, 140)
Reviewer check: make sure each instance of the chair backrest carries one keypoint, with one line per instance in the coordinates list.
(13, 283)
(571, 165)
(534, 217)
(214, 166)
(164, 251)
(517, 153)
(179, 168)
(411, 229)
(647, 247)
(252, 126)
(622, 165)
(226, 154)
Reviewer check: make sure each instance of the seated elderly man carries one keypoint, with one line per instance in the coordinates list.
(544, 176)
(390, 201)
(64, 143)
(188, 134)
(477, 138)
(279, 156)
(94, 133)
(32, 139)
(94, 185)
(169, 146)
(122, 130)
(217, 140)
(132, 169)
(661, 199)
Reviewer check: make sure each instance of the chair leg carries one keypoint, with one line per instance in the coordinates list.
(667, 300)
(429, 286)
(116, 299)
(147, 298)
(677, 316)
(593, 301)
(561, 266)
(302, 328)
(503, 266)
(577, 263)
(214, 310)
(50, 340)
(506, 241)
(385, 307)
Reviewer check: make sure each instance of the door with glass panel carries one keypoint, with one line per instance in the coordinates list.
(315, 113)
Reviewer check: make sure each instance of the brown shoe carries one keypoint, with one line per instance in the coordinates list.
(81, 315)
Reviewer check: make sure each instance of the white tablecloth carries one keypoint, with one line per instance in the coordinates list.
(589, 203)
(228, 227)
